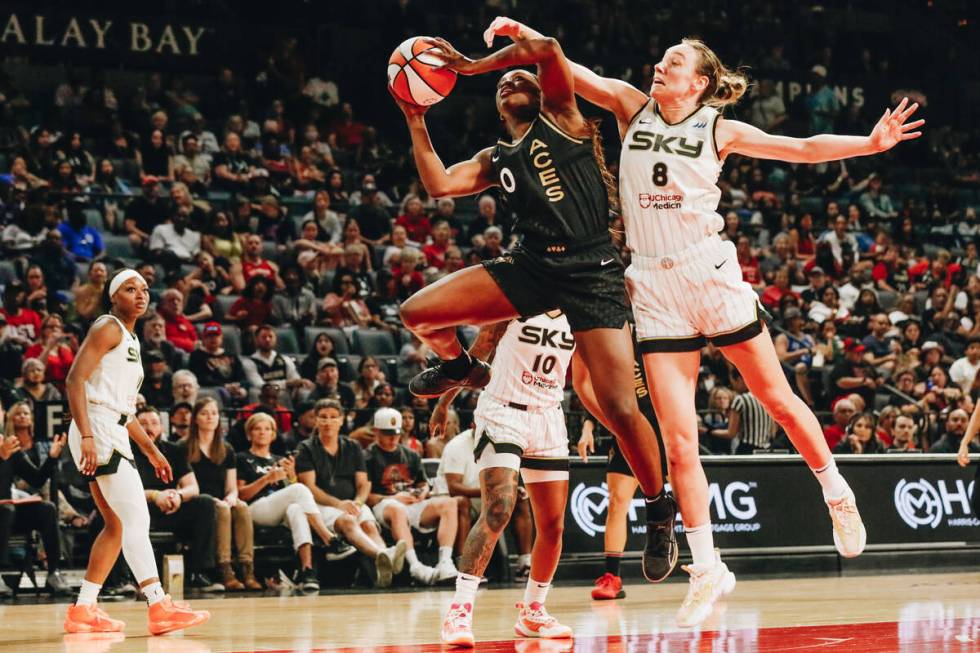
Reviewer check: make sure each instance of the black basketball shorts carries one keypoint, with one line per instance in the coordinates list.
(586, 284)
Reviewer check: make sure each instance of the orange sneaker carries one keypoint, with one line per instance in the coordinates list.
(608, 587)
(534, 621)
(168, 616)
(91, 619)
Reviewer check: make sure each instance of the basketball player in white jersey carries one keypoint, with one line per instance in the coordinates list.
(102, 386)
(520, 427)
(685, 283)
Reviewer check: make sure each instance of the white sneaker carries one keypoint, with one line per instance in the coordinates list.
(849, 533)
(397, 555)
(534, 621)
(707, 585)
(423, 574)
(383, 565)
(457, 626)
(446, 570)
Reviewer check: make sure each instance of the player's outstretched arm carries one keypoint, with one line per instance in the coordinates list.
(892, 128)
(464, 178)
(614, 95)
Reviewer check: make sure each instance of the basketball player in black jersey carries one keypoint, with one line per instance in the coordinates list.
(620, 480)
(554, 178)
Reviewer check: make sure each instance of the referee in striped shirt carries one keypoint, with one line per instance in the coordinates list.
(748, 421)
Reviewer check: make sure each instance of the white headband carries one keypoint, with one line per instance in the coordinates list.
(122, 278)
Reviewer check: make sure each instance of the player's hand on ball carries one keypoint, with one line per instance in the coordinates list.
(410, 110)
(892, 128)
(502, 26)
(453, 59)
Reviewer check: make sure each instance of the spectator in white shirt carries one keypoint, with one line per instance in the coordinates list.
(174, 242)
(963, 371)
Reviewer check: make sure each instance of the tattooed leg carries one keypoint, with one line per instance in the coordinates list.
(499, 492)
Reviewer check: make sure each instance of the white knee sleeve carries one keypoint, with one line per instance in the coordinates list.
(298, 525)
(490, 458)
(123, 491)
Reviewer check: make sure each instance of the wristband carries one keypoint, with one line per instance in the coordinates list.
(88, 437)
(358, 502)
(154, 494)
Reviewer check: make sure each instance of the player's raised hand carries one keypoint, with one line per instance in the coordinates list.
(892, 127)
(502, 26)
(453, 59)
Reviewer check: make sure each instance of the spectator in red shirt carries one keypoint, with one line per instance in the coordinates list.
(414, 219)
(180, 331)
(254, 307)
(748, 263)
(23, 324)
(780, 287)
(254, 265)
(843, 412)
(884, 270)
(349, 132)
(53, 351)
(435, 252)
(925, 273)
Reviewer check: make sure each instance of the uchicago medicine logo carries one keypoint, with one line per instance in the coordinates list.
(733, 507)
(923, 504)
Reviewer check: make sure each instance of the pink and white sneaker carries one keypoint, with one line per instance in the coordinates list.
(534, 621)
(457, 627)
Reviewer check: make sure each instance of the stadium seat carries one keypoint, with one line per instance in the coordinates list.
(374, 342)
(287, 343)
(211, 393)
(93, 218)
(347, 366)
(233, 339)
(117, 246)
(887, 299)
(8, 272)
(389, 365)
(340, 344)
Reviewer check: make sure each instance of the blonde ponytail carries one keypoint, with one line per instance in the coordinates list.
(725, 86)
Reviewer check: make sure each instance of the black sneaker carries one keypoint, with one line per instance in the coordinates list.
(338, 550)
(432, 382)
(308, 581)
(199, 581)
(660, 552)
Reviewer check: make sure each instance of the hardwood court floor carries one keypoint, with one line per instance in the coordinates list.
(903, 613)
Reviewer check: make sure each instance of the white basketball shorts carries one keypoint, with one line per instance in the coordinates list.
(537, 436)
(110, 436)
(683, 300)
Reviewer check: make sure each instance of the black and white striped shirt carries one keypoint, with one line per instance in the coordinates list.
(755, 426)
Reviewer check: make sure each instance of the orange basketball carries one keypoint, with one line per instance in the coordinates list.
(412, 73)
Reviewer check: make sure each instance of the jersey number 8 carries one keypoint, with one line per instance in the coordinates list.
(660, 174)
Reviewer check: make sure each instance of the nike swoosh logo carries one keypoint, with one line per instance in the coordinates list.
(607, 261)
(494, 157)
(645, 121)
(718, 267)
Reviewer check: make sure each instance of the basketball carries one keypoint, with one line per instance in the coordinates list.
(413, 74)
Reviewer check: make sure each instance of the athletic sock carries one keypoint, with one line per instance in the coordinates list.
(466, 586)
(458, 367)
(445, 554)
(613, 559)
(536, 591)
(411, 558)
(524, 560)
(658, 508)
(153, 593)
(831, 482)
(89, 593)
(701, 542)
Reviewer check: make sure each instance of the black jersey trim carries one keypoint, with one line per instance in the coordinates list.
(656, 110)
(714, 136)
(523, 136)
(678, 344)
(637, 114)
(545, 464)
(561, 132)
(740, 334)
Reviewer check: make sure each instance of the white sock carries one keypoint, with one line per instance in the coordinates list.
(702, 544)
(466, 586)
(536, 591)
(524, 560)
(445, 554)
(89, 593)
(831, 482)
(153, 593)
(411, 558)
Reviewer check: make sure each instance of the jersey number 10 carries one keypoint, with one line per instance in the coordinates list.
(545, 365)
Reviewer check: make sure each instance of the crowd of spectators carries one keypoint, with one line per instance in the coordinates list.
(279, 233)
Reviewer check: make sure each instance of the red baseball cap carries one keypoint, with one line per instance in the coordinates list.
(212, 329)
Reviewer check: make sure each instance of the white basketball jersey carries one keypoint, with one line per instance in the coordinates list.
(117, 380)
(668, 177)
(531, 361)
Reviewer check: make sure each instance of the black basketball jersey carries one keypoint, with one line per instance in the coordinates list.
(552, 184)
